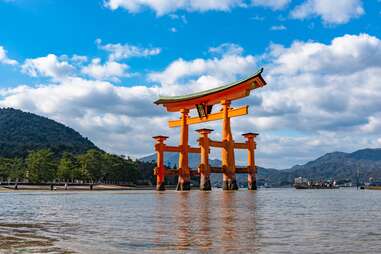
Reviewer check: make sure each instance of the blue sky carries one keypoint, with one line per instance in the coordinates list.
(98, 65)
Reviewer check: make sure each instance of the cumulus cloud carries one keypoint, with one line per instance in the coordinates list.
(273, 4)
(361, 51)
(162, 7)
(47, 66)
(201, 73)
(110, 70)
(4, 59)
(331, 12)
(123, 51)
(64, 66)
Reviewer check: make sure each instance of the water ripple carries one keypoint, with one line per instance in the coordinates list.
(266, 221)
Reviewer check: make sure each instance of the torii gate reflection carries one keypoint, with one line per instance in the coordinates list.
(203, 102)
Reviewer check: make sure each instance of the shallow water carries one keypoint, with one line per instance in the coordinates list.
(266, 221)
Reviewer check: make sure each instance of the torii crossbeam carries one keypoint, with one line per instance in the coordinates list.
(203, 102)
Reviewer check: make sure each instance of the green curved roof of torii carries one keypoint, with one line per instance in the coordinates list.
(169, 99)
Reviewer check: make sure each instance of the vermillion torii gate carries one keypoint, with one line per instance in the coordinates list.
(204, 102)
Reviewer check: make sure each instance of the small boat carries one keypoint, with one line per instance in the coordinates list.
(373, 184)
(304, 183)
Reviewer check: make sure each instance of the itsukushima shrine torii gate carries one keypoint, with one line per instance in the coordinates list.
(203, 102)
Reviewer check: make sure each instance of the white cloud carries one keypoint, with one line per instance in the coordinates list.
(173, 29)
(162, 7)
(273, 4)
(227, 49)
(60, 67)
(373, 125)
(79, 59)
(111, 70)
(47, 66)
(361, 51)
(331, 12)
(4, 58)
(123, 51)
(201, 73)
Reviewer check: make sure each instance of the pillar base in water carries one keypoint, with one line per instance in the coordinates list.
(252, 186)
(206, 186)
(160, 187)
(183, 186)
(230, 185)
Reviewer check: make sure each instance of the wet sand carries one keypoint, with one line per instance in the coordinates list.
(27, 238)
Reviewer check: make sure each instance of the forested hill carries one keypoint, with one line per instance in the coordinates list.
(339, 166)
(21, 132)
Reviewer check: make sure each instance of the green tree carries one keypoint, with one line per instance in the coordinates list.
(98, 165)
(118, 168)
(112, 167)
(13, 168)
(132, 173)
(16, 168)
(68, 167)
(41, 166)
(92, 164)
(4, 169)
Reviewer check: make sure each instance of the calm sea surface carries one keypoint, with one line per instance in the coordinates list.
(266, 221)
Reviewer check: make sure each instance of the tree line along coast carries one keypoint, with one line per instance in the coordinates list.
(93, 166)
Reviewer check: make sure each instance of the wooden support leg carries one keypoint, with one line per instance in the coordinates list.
(160, 169)
(184, 171)
(204, 168)
(227, 155)
(251, 177)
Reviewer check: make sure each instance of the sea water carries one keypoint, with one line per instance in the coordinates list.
(263, 221)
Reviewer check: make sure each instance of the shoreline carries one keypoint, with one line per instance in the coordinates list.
(75, 188)
(96, 187)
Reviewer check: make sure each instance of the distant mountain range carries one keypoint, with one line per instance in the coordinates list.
(336, 165)
(21, 132)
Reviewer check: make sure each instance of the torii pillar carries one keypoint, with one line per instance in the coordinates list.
(252, 169)
(204, 168)
(227, 155)
(160, 168)
(184, 171)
